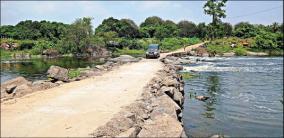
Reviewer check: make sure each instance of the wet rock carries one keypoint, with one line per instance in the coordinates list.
(163, 126)
(202, 98)
(58, 73)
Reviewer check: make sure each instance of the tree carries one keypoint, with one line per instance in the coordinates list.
(187, 29)
(214, 8)
(109, 24)
(245, 30)
(201, 31)
(127, 28)
(152, 21)
(78, 36)
(167, 29)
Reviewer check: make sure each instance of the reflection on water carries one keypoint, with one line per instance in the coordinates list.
(34, 69)
(245, 101)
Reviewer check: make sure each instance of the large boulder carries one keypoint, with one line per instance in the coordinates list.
(163, 126)
(10, 86)
(58, 73)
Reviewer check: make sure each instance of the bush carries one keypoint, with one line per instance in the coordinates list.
(240, 51)
(26, 44)
(42, 45)
(73, 73)
(266, 40)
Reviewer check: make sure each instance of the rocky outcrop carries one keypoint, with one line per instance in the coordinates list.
(157, 113)
(58, 73)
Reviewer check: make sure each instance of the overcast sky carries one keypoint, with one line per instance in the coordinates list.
(259, 12)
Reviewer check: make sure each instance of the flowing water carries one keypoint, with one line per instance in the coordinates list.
(35, 69)
(245, 97)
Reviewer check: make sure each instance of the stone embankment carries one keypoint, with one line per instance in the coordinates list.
(157, 113)
(19, 86)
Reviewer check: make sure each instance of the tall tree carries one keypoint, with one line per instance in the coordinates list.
(215, 9)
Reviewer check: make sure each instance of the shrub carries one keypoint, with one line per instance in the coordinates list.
(240, 51)
(42, 45)
(73, 73)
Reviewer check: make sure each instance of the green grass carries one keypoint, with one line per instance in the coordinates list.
(218, 49)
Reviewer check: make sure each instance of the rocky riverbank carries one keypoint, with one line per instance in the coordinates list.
(157, 113)
(20, 86)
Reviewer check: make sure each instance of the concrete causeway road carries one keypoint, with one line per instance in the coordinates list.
(77, 108)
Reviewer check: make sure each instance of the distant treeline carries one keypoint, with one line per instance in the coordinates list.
(152, 27)
(75, 37)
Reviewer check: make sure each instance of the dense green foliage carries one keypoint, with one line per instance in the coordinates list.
(79, 36)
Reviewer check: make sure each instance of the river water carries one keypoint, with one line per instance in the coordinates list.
(35, 69)
(245, 97)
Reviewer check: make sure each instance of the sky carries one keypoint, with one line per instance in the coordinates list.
(256, 12)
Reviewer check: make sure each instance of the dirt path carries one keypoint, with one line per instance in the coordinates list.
(77, 108)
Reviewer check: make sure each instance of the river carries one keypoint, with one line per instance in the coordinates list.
(245, 97)
(35, 69)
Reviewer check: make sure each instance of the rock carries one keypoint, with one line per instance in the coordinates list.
(156, 86)
(230, 54)
(42, 85)
(89, 73)
(183, 135)
(192, 53)
(202, 98)
(100, 67)
(163, 126)
(168, 90)
(58, 73)
(125, 59)
(179, 67)
(10, 86)
(164, 104)
(119, 123)
(132, 132)
(169, 81)
(178, 97)
(22, 90)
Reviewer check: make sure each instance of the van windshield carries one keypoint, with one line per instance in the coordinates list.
(153, 47)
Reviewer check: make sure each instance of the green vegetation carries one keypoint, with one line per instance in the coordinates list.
(125, 37)
(74, 73)
(126, 51)
(187, 75)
